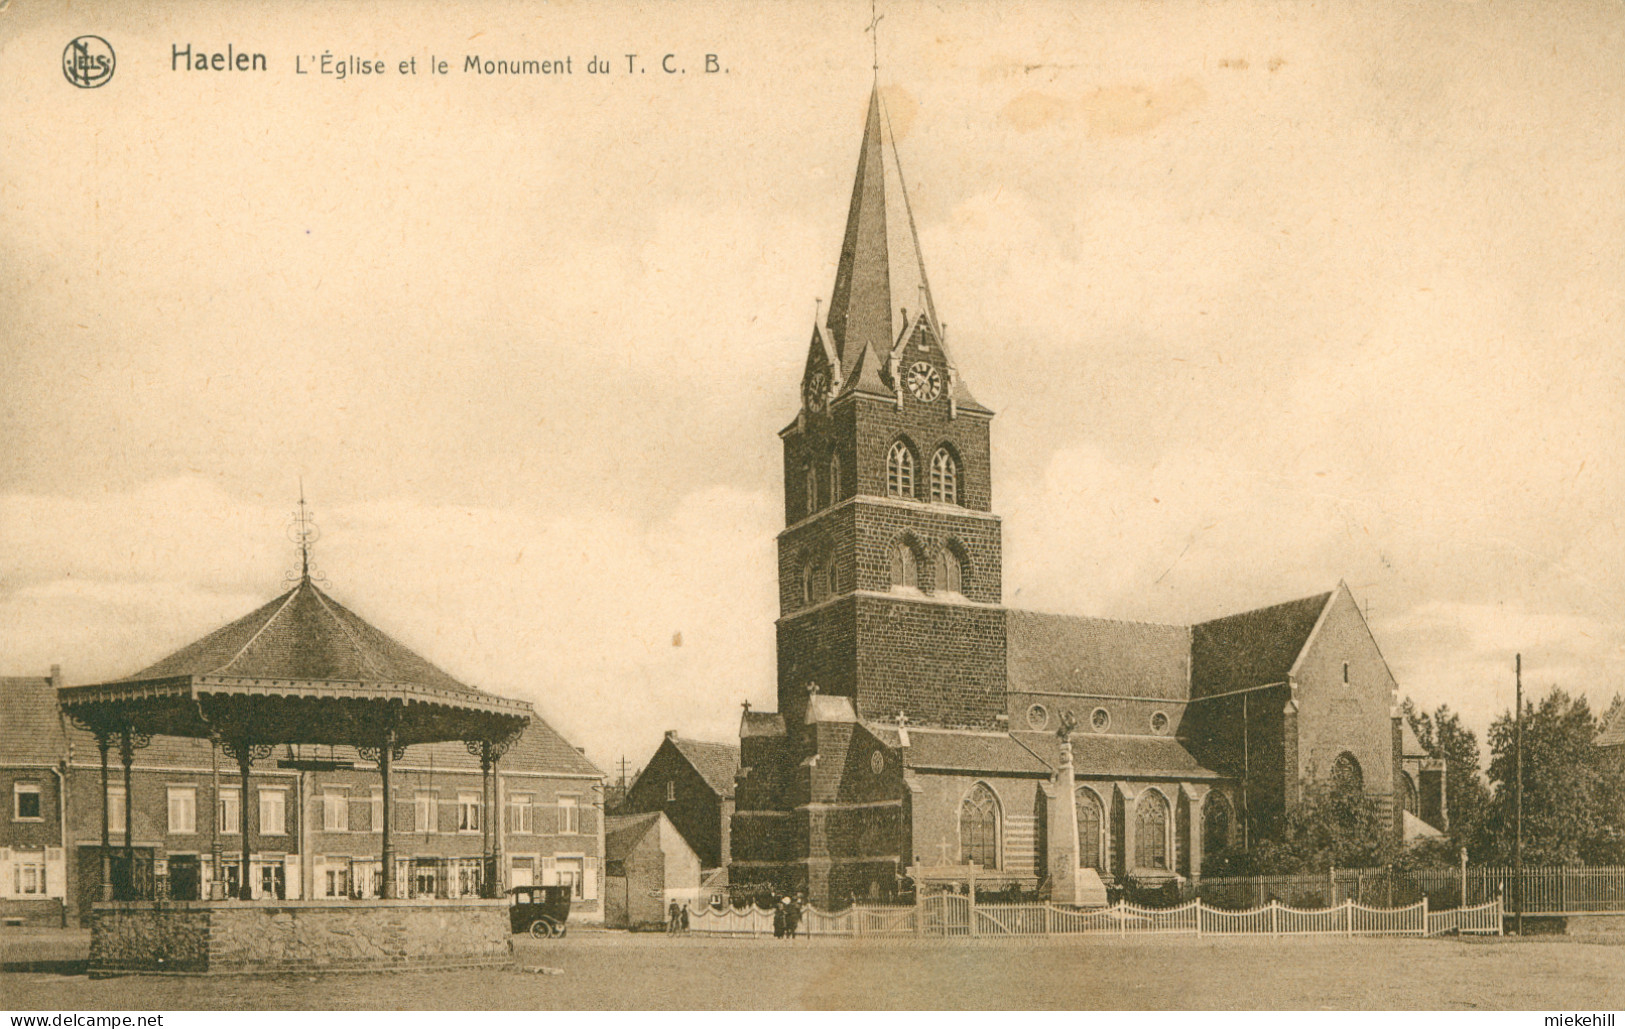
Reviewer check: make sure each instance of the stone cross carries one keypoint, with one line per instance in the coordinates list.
(902, 729)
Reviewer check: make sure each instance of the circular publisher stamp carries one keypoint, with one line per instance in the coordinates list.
(88, 62)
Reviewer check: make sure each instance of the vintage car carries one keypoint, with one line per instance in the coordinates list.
(539, 910)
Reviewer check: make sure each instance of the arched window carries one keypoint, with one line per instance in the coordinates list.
(835, 478)
(807, 575)
(829, 575)
(1346, 774)
(944, 478)
(1091, 829)
(904, 568)
(812, 489)
(1216, 824)
(1407, 793)
(1151, 831)
(979, 828)
(900, 471)
(949, 574)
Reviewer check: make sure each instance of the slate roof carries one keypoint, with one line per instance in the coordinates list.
(1254, 648)
(303, 635)
(1070, 654)
(1126, 757)
(622, 833)
(963, 751)
(717, 763)
(1409, 745)
(31, 732)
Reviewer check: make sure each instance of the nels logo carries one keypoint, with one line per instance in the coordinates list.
(88, 62)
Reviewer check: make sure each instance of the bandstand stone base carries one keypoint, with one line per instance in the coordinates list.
(261, 937)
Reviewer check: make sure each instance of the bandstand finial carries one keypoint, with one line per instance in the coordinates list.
(304, 532)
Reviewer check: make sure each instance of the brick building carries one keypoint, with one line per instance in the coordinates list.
(692, 781)
(314, 814)
(917, 716)
(647, 865)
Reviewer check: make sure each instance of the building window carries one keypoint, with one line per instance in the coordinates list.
(949, 571)
(425, 812)
(1159, 723)
(273, 812)
(1037, 716)
(1346, 774)
(182, 810)
(944, 478)
(1216, 824)
(468, 812)
(30, 875)
(570, 815)
(815, 575)
(1099, 719)
(1091, 831)
(25, 805)
(900, 471)
(671, 791)
(115, 808)
(229, 811)
(835, 478)
(979, 828)
(375, 809)
(812, 489)
(1151, 831)
(571, 872)
(520, 817)
(522, 871)
(335, 811)
(905, 569)
(1345, 673)
(337, 876)
(273, 877)
(1407, 794)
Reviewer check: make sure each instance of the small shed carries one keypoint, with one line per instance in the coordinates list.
(647, 865)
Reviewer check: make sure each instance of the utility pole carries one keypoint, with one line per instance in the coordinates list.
(1517, 793)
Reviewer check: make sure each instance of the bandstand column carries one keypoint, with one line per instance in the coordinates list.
(387, 852)
(103, 743)
(245, 760)
(126, 753)
(487, 791)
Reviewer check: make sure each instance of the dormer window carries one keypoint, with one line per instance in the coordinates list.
(944, 478)
(900, 472)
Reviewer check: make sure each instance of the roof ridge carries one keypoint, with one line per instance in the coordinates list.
(286, 600)
(1323, 597)
(1099, 618)
(366, 657)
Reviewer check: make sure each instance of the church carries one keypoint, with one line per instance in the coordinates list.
(926, 732)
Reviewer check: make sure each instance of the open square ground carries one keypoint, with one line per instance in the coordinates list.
(625, 971)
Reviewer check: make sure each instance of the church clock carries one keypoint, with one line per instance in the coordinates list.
(816, 391)
(924, 381)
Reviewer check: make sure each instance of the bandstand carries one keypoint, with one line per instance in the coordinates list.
(302, 669)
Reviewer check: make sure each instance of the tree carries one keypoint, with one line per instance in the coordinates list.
(1571, 789)
(1334, 824)
(1467, 797)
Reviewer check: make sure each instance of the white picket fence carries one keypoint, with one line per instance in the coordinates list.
(955, 915)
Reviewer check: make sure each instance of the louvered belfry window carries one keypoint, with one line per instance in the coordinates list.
(944, 478)
(900, 472)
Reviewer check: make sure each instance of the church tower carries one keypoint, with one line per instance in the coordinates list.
(889, 564)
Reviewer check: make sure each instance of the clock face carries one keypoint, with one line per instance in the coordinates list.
(924, 381)
(816, 391)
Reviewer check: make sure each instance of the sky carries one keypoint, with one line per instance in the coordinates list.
(1266, 296)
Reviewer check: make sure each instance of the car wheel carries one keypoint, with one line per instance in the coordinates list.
(540, 930)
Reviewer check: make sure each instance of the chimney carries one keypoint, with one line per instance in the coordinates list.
(671, 734)
(56, 676)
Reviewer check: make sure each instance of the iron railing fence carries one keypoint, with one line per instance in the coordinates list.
(1547, 890)
(951, 915)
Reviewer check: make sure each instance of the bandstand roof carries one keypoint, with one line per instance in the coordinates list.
(301, 669)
